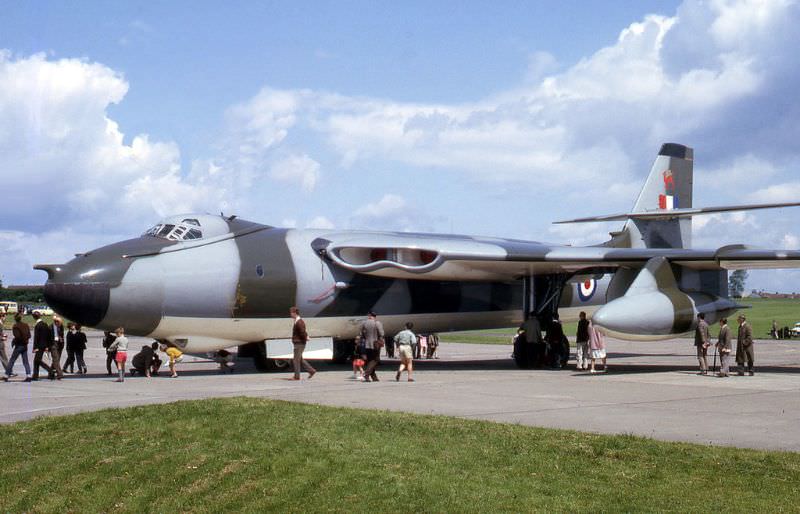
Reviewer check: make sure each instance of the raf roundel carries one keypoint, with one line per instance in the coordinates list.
(586, 289)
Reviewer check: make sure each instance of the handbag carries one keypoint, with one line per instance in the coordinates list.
(379, 343)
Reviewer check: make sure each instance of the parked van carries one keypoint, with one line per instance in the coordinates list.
(9, 307)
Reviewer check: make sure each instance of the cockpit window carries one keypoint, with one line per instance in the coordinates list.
(183, 231)
(193, 234)
(165, 230)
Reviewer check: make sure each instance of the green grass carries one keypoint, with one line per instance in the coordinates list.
(246, 454)
(785, 312)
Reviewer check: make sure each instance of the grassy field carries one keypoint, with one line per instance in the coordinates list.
(763, 311)
(261, 455)
(785, 312)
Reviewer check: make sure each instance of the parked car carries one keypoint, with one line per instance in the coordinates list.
(44, 310)
(795, 330)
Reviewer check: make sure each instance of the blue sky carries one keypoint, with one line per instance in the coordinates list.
(487, 119)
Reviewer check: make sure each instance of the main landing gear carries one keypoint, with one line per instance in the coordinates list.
(541, 296)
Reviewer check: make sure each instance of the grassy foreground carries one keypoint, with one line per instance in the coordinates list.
(262, 455)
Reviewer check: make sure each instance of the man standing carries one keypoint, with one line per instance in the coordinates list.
(555, 343)
(404, 340)
(42, 342)
(299, 340)
(744, 346)
(724, 347)
(530, 345)
(582, 343)
(57, 347)
(372, 332)
(22, 335)
(702, 340)
(3, 356)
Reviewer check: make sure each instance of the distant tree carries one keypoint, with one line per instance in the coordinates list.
(736, 283)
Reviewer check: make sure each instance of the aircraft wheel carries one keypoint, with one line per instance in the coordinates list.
(280, 364)
(258, 352)
(523, 354)
(343, 350)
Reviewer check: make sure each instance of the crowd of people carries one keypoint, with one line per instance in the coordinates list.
(367, 348)
(745, 355)
(51, 340)
(406, 345)
(551, 349)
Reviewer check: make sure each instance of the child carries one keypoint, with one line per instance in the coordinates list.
(358, 367)
(174, 355)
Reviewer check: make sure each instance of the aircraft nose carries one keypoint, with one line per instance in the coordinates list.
(85, 303)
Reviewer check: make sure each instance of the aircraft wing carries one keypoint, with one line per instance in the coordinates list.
(446, 257)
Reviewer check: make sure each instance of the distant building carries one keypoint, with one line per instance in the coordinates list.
(775, 295)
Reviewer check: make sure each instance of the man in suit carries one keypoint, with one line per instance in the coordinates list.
(42, 341)
(372, 332)
(57, 348)
(724, 347)
(299, 340)
(744, 346)
(702, 340)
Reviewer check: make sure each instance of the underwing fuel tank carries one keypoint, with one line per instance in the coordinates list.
(654, 307)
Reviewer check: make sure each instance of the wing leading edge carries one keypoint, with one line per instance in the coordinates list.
(437, 257)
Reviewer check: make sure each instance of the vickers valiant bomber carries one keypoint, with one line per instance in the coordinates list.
(204, 282)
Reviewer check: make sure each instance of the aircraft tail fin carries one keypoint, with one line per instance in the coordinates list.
(662, 214)
(656, 220)
(668, 189)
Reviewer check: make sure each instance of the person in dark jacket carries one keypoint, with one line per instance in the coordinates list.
(582, 343)
(146, 362)
(42, 341)
(69, 364)
(555, 343)
(21, 336)
(299, 340)
(76, 344)
(108, 340)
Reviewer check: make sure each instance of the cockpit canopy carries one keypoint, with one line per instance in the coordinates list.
(188, 227)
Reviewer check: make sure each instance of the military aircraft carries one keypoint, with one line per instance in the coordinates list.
(205, 282)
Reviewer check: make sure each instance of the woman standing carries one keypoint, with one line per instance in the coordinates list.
(597, 344)
(120, 346)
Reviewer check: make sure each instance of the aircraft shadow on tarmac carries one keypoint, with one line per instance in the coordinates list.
(390, 365)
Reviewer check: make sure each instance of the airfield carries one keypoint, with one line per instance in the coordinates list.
(651, 390)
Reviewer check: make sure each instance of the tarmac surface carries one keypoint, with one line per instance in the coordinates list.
(652, 389)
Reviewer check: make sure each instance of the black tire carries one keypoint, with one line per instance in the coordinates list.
(523, 354)
(343, 350)
(258, 352)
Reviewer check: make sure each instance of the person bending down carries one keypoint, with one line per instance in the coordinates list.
(146, 362)
(174, 355)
